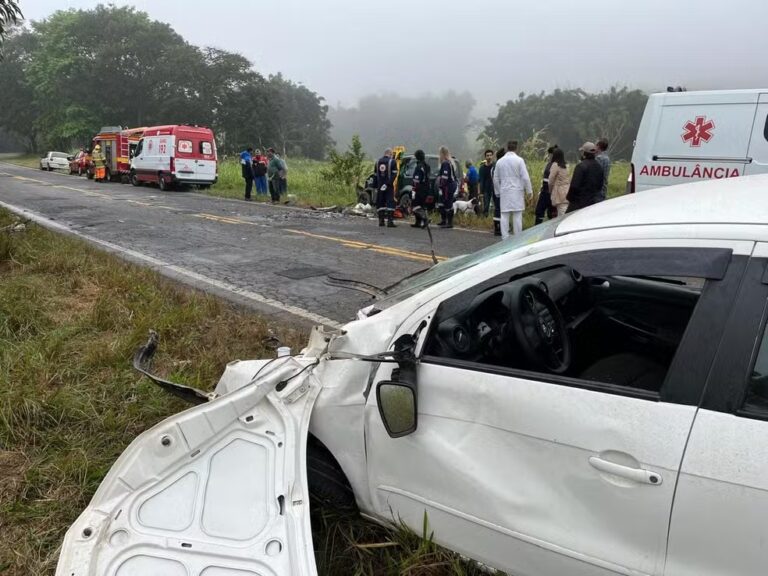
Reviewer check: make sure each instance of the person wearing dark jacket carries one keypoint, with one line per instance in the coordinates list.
(587, 180)
(486, 181)
(246, 161)
(420, 190)
(386, 175)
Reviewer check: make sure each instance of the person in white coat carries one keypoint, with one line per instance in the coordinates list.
(511, 183)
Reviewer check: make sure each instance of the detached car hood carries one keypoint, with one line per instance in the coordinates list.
(217, 490)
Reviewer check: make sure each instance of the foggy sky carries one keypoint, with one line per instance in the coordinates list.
(344, 49)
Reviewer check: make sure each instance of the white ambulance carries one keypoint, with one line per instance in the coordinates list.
(686, 136)
(175, 155)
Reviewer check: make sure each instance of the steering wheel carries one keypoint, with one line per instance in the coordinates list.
(540, 329)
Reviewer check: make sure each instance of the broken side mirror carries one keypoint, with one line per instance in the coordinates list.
(397, 407)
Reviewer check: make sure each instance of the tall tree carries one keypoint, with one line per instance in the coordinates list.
(20, 108)
(10, 14)
(569, 117)
(79, 70)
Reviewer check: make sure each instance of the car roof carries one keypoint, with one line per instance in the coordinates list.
(742, 200)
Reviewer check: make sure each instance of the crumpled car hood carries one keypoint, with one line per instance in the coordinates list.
(217, 490)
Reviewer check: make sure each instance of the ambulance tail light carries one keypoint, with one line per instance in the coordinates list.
(173, 166)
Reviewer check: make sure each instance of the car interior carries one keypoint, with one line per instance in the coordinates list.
(616, 330)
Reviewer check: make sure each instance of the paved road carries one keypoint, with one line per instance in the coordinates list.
(279, 260)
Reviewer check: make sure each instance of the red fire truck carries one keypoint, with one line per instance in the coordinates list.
(117, 145)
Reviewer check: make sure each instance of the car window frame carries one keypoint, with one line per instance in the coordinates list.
(686, 377)
(729, 380)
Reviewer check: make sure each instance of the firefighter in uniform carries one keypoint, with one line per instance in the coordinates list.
(386, 174)
(420, 190)
(446, 183)
(99, 164)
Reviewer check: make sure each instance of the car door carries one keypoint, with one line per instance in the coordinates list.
(718, 526)
(538, 473)
(217, 490)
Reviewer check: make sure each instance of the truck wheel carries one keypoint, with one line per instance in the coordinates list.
(405, 202)
(162, 184)
(327, 483)
(135, 179)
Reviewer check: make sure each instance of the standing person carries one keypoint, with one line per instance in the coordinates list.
(472, 179)
(446, 183)
(246, 167)
(277, 172)
(486, 181)
(544, 205)
(496, 205)
(260, 172)
(420, 190)
(605, 163)
(99, 164)
(587, 181)
(559, 182)
(386, 173)
(512, 183)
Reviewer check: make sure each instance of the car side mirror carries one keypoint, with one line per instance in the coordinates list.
(397, 407)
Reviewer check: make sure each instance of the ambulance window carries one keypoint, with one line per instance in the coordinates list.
(206, 148)
(185, 146)
(765, 129)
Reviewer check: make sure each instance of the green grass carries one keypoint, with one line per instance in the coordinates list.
(70, 319)
(28, 160)
(304, 181)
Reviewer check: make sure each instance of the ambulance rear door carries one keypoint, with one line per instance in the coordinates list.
(698, 136)
(758, 145)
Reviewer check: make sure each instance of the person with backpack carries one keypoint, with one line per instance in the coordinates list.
(385, 172)
(277, 172)
(260, 172)
(446, 183)
(420, 190)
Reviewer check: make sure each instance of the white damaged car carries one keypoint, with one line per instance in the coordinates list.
(590, 397)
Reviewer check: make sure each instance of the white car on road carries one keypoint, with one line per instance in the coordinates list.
(590, 397)
(55, 161)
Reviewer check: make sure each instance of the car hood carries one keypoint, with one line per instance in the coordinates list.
(218, 489)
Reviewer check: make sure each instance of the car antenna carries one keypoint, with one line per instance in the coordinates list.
(431, 241)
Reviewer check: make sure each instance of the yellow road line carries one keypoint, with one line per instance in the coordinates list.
(368, 246)
(30, 179)
(216, 218)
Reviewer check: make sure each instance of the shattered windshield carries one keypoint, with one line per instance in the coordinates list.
(439, 272)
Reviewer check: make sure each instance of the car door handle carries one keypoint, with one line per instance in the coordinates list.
(640, 475)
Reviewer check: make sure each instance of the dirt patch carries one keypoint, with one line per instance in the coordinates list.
(13, 466)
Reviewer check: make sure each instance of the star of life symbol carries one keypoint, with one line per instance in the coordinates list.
(698, 130)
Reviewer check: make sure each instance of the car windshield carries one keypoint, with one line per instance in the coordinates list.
(58, 155)
(439, 272)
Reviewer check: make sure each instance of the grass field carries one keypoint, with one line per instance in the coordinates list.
(70, 320)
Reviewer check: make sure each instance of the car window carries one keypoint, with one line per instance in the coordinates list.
(757, 391)
(59, 155)
(617, 332)
(410, 168)
(206, 148)
(185, 146)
